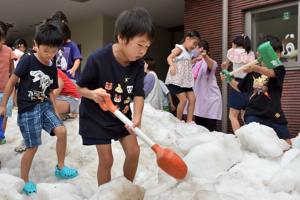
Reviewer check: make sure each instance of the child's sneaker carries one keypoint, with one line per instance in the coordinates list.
(21, 147)
(191, 122)
(3, 141)
(65, 172)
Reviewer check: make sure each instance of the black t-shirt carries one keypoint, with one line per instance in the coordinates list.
(102, 70)
(264, 96)
(36, 81)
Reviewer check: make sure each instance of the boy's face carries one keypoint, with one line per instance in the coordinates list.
(136, 47)
(45, 53)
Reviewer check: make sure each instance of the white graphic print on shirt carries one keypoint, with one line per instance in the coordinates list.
(45, 82)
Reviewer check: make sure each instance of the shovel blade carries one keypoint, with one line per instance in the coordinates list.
(170, 162)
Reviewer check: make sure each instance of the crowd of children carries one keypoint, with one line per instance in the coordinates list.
(48, 77)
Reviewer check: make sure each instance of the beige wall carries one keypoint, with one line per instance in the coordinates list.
(97, 32)
(89, 35)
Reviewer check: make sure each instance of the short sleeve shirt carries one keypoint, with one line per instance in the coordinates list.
(66, 56)
(69, 87)
(6, 55)
(264, 96)
(36, 82)
(102, 70)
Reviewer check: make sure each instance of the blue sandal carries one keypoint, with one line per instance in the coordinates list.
(29, 188)
(65, 172)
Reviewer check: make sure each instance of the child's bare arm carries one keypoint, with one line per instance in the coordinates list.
(262, 70)
(225, 64)
(75, 67)
(59, 89)
(52, 98)
(7, 92)
(11, 67)
(138, 106)
(96, 95)
(177, 51)
(233, 83)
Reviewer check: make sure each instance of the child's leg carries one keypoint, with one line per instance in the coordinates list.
(62, 106)
(105, 163)
(61, 145)
(180, 107)
(288, 140)
(191, 106)
(233, 116)
(242, 115)
(26, 162)
(4, 123)
(132, 152)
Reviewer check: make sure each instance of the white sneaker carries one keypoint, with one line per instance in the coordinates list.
(21, 147)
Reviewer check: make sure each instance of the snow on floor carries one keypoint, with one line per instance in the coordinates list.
(249, 166)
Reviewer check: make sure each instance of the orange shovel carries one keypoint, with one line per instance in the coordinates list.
(167, 159)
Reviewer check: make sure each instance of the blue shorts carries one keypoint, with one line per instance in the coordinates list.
(178, 90)
(33, 121)
(281, 130)
(8, 105)
(237, 100)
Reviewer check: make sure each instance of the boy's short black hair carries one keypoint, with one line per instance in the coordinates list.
(49, 34)
(274, 41)
(131, 23)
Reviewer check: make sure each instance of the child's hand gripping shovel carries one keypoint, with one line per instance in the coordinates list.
(267, 55)
(167, 159)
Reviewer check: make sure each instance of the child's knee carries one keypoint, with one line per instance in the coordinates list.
(134, 153)
(106, 161)
(183, 100)
(60, 131)
(32, 150)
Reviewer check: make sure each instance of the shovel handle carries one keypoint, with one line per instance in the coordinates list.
(241, 68)
(108, 105)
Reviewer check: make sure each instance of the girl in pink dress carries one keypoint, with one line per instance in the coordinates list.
(239, 55)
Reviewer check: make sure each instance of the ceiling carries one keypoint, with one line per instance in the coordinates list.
(26, 14)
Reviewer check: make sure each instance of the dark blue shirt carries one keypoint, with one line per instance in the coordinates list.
(36, 81)
(102, 70)
(264, 96)
(66, 56)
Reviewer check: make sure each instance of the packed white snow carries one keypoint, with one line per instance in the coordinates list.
(250, 165)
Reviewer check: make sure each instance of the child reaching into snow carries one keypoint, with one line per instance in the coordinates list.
(239, 55)
(180, 75)
(264, 87)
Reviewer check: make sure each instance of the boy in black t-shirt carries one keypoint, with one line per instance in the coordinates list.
(37, 109)
(264, 87)
(116, 70)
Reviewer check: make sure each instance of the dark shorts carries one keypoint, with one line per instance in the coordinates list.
(281, 130)
(95, 141)
(178, 90)
(237, 100)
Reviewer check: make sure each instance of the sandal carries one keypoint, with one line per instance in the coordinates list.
(64, 116)
(65, 172)
(29, 188)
